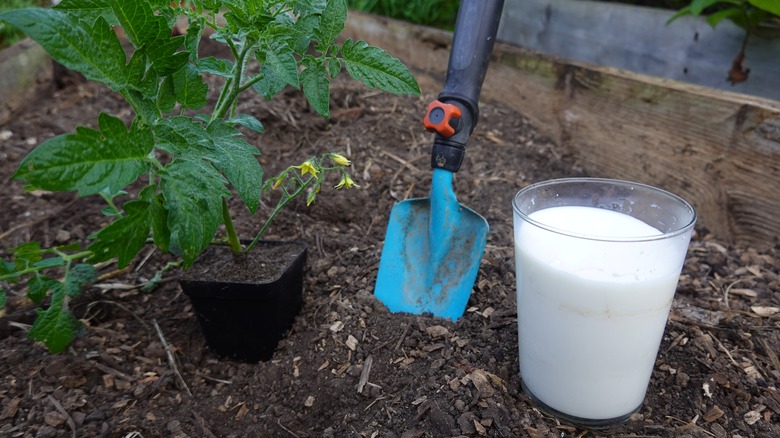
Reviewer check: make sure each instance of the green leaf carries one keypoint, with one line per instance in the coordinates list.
(182, 135)
(166, 95)
(680, 13)
(78, 277)
(150, 33)
(159, 216)
(316, 87)
(236, 158)
(377, 69)
(50, 262)
(27, 254)
(146, 107)
(331, 23)
(39, 286)
(270, 85)
(3, 298)
(247, 121)
(334, 66)
(88, 10)
(714, 19)
(189, 87)
(56, 327)
(93, 50)
(6, 268)
(215, 66)
(124, 237)
(89, 161)
(280, 58)
(698, 6)
(771, 6)
(296, 33)
(193, 191)
(192, 38)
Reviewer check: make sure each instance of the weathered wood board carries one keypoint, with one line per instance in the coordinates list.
(638, 39)
(717, 149)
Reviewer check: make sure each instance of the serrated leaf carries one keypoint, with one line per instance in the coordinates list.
(247, 121)
(236, 158)
(166, 95)
(150, 33)
(280, 58)
(309, 7)
(193, 191)
(78, 277)
(331, 23)
(192, 39)
(296, 33)
(334, 67)
(124, 237)
(38, 287)
(160, 230)
(27, 254)
(270, 85)
(89, 161)
(6, 268)
(56, 327)
(316, 87)
(146, 107)
(182, 135)
(189, 87)
(215, 66)
(49, 262)
(93, 50)
(141, 78)
(89, 10)
(377, 69)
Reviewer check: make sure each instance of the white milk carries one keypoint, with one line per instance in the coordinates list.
(591, 313)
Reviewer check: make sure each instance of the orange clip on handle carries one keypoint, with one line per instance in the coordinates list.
(442, 118)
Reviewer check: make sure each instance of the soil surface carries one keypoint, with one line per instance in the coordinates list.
(349, 368)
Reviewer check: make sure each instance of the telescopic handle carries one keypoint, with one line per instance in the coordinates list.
(472, 45)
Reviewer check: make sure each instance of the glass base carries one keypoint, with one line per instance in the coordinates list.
(586, 423)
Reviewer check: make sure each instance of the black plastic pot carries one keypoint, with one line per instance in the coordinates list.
(243, 320)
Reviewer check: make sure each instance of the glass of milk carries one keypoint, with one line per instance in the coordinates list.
(597, 266)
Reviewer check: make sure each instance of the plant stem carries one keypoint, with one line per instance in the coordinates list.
(233, 86)
(67, 258)
(235, 245)
(279, 206)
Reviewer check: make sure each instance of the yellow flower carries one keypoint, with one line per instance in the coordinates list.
(346, 182)
(340, 160)
(278, 183)
(307, 167)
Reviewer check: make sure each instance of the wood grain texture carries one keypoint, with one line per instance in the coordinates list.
(719, 150)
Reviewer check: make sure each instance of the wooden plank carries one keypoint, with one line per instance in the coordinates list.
(638, 39)
(719, 150)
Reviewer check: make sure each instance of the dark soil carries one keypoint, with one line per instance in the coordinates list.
(348, 367)
(263, 264)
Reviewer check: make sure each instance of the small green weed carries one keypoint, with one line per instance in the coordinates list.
(437, 13)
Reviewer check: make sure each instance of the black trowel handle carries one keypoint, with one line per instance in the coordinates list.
(454, 115)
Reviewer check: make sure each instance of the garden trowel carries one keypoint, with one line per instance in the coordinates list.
(433, 246)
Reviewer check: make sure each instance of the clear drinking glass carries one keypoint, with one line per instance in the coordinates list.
(597, 264)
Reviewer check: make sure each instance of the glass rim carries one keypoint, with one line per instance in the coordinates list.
(590, 180)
